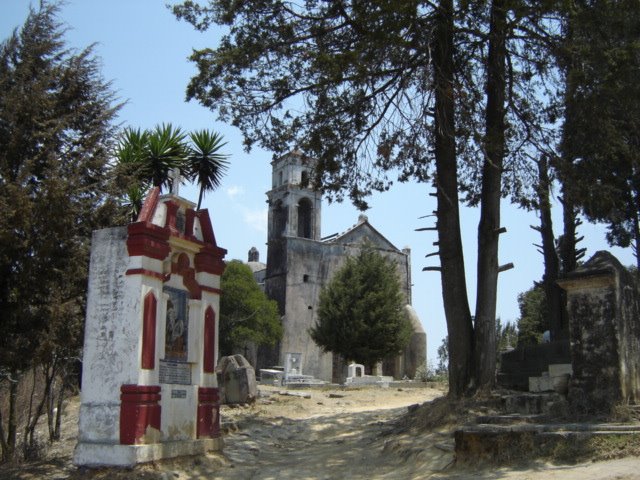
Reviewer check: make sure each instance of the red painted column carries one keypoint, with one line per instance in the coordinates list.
(209, 355)
(172, 213)
(208, 413)
(149, 332)
(139, 409)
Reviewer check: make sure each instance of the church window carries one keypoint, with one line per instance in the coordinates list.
(279, 219)
(280, 178)
(304, 180)
(304, 218)
(181, 221)
(305, 278)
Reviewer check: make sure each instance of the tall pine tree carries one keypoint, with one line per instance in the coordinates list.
(601, 139)
(56, 115)
(360, 315)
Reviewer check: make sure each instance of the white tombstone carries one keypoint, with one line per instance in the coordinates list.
(356, 376)
(292, 366)
(355, 370)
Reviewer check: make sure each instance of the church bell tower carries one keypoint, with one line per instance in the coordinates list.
(294, 207)
(294, 216)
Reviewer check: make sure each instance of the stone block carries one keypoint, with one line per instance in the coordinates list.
(561, 383)
(534, 384)
(558, 369)
(237, 378)
(540, 384)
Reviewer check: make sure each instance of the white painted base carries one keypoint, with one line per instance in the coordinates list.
(112, 455)
(369, 380)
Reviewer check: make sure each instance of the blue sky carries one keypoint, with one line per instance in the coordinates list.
(144, 52)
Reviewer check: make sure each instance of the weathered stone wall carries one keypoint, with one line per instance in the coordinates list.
(310, 266)
(628, 329)
(416, 352)
(594, 348)
(109, 344)
(604, 331)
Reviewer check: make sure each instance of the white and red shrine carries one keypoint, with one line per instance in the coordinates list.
(149, 389)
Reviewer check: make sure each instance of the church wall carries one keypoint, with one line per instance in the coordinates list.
(358, 236)
(307, 264)
(310, 266)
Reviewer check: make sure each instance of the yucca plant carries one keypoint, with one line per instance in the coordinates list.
(129, 172)
(166, 150)
(134, 200)
(205, 164)
(149, 156)
(146, 158)
(129, 151)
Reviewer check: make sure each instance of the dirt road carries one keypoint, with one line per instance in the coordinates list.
(360, 435)
(333, 436)
(320, 434)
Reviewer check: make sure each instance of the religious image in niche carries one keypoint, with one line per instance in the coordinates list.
(176, 325)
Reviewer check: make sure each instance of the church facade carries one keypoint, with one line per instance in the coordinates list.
(300, 262)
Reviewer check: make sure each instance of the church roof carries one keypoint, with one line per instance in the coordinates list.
(256, 266)
(360, 232)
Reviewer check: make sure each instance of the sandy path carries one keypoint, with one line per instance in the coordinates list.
(357, 437)
(332, 435)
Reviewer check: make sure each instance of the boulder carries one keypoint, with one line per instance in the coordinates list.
(237, 380)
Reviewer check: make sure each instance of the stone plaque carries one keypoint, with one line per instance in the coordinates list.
(175, 372)
(178, 394)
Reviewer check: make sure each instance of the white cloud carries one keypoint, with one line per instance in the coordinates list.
(256, 219)
(234, 190)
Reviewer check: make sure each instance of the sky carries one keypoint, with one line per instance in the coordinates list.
(144, 52)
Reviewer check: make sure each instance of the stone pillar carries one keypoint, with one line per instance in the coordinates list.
(604, 334)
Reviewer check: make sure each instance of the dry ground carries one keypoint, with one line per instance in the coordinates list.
(334, 434)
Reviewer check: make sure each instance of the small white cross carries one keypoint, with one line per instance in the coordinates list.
(176, 178)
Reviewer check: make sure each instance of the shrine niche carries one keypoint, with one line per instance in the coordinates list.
(149, 390)
(176, 324)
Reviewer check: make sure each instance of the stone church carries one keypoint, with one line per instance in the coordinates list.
(300, 262)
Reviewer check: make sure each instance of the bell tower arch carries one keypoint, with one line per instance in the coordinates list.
(294, 207)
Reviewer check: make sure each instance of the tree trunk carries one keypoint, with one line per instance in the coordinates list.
(553, 293)
(3, 441)
(54, 403)
(568, 243)
(489, 225)
(50, 411)
(59, 405)
(454, 288)
(32, 419)
(200, 195)
(12, 428)
(27, 439)
(635, 241)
